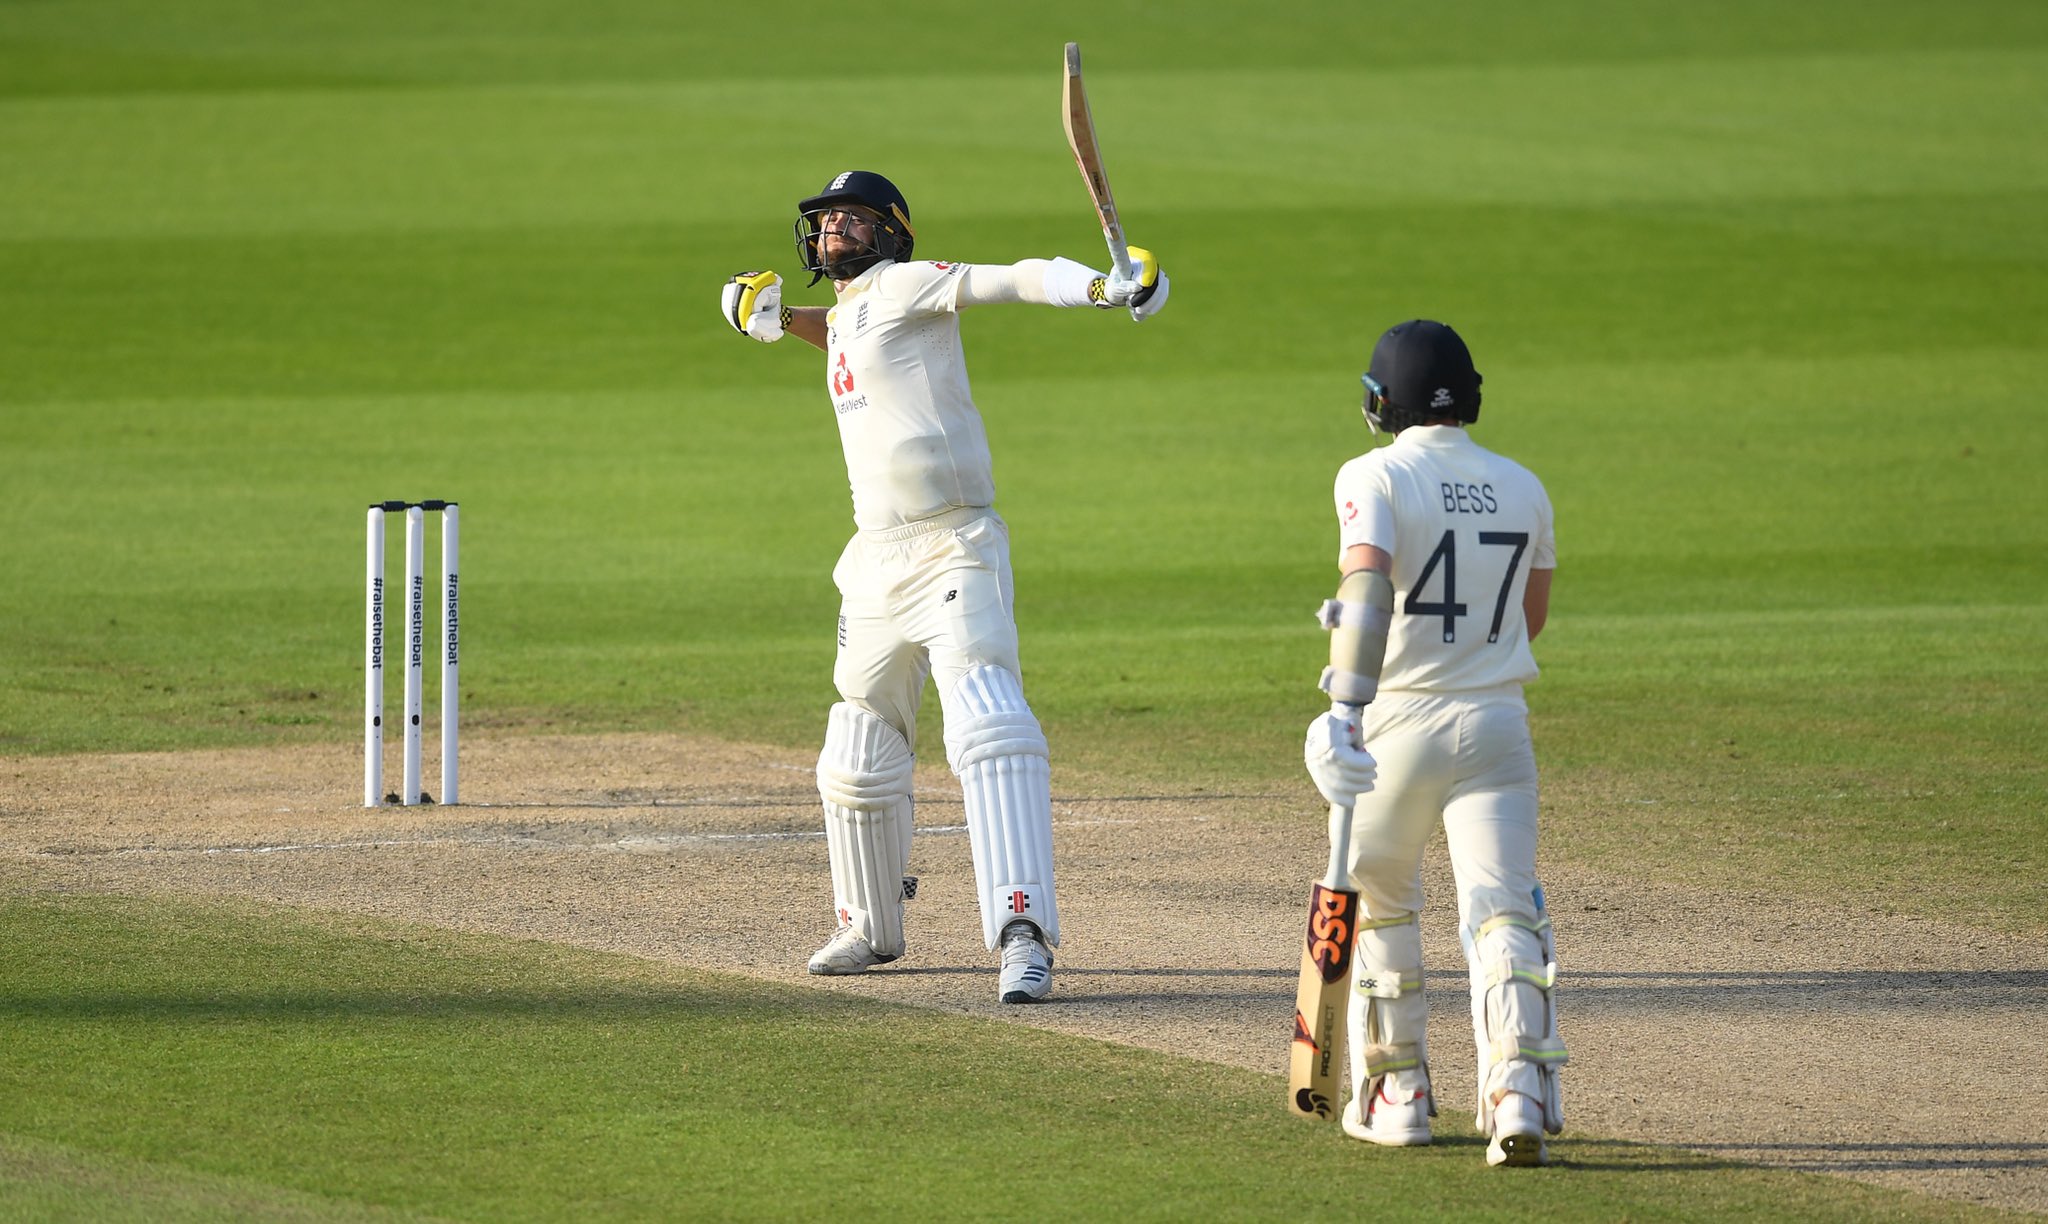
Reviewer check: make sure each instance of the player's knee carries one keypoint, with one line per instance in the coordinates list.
(986, 716)
(1513, 966)
(866, 764)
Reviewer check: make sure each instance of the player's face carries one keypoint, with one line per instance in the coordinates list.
(846, 231)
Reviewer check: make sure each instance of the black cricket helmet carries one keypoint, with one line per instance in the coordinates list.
(869, 195)
(1420, 371)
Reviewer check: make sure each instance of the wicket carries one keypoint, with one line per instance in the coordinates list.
(415, 642)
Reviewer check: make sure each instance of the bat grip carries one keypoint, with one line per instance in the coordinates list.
(1340, 814)
(1119, 255)
(1339, 875)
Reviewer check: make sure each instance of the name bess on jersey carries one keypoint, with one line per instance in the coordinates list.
(1458, 499)
(1469, 499)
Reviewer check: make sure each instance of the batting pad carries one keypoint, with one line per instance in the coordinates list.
(864, 780)
(1514, 975)
(1389, 1015)
(995, 746)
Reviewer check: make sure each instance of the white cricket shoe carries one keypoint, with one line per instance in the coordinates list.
(1395, 1115)
(1027, 965)
(848, 951)
(1518, 1133)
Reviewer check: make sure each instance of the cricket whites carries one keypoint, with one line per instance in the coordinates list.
(1316, 1069)
(1088, 155)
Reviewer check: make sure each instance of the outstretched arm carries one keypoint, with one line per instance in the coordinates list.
(1062, 282)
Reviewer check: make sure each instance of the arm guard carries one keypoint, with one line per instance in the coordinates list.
(1358, 621)
(1047, 282)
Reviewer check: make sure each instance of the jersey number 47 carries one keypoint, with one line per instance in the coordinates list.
(1446, 556)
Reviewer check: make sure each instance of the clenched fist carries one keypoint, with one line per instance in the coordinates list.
(753, 305)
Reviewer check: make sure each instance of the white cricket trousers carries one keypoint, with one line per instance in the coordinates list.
(931, 598)
(1466, 759)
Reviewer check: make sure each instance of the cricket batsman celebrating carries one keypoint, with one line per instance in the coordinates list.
(925, 586)
(1447, 552)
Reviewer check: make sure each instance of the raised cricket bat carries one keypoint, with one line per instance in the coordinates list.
(1088, 155)
(1315, 1072)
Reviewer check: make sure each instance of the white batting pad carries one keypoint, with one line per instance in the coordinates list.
(864, 780)
(1389, 1015)
(996, 747)
(1514, 1016)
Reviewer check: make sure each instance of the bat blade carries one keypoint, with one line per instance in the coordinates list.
(1080, 125)
(1315, 1069)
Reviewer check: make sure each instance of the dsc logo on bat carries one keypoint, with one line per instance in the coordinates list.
(1331, 923)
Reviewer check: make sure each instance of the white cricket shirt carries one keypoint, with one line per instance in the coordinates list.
(914, 442)
(1465, 526)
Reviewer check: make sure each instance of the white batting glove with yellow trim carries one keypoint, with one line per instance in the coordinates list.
(1144, 291)
(753, 305)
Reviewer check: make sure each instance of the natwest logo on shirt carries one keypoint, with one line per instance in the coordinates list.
(943, 266)
(843, 398)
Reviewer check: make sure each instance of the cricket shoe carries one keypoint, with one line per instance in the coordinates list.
(848, 951)
(1517, 1133)
(1027, 965)
(1395, 1114)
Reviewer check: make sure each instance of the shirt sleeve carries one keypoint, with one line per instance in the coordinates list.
(1365, 507)
(925, 287)
(1045, 282)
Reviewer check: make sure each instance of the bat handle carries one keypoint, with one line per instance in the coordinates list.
(1339, 875)
(1340, 814)
(1119, 255)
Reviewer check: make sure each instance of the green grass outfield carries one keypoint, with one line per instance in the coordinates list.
(1761, 291)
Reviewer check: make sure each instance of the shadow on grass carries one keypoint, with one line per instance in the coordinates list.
(1621, 1155)
(1801, 989)
(1878, 1157)
(1626, 1156)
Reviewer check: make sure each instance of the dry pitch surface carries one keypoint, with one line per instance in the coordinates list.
(1897, 1051)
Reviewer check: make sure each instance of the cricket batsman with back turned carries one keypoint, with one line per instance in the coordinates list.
(1446, 551)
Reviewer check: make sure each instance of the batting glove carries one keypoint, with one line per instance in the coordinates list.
(1342, 769)
(753, 305)
(1144, 290)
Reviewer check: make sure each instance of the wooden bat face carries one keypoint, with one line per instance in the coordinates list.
(1316, 1063)
(1080, 125)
